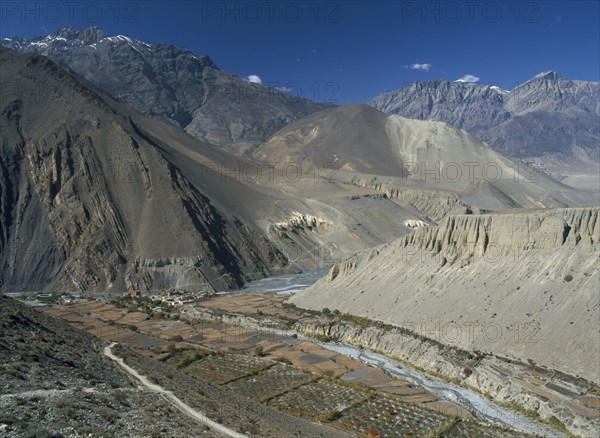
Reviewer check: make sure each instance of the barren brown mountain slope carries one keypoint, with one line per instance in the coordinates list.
(95, 197)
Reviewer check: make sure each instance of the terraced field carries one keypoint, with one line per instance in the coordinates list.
(389, 417)
(225, 368)
(318, 399)
(271, 382)
(473, 430)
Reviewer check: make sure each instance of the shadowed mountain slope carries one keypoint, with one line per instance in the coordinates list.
(83, 192)
(95, 196)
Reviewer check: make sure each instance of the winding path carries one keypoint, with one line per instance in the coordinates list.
(172, 398)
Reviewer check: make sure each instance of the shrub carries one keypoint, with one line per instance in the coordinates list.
(322, 338)
(120, 396)
(557, 424)
(568, 278)
(63, 403)
(108, 414)
(332, 415)
(372, 432)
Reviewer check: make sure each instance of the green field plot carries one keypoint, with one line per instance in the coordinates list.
(225, 368)
(271, 382)
(318, 399)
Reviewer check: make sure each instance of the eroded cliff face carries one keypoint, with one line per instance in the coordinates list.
(434, 204)
(518, 284)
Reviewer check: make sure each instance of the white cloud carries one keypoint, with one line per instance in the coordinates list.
(468, 78)
(255, 79)
(425, 67)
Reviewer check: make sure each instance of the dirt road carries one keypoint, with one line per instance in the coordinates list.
(172, 398)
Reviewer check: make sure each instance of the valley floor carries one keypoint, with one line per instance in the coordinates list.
(220, 339)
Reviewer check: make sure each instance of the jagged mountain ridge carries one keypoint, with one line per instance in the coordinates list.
(172, 84)
(549, 121)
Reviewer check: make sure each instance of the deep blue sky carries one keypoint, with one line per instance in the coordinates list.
(348, 51)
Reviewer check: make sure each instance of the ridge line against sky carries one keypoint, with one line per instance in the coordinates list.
(347, 51)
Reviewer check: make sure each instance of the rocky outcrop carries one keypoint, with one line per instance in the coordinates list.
(517, 284)
(434, 204)
(300, 221)
(181, 273)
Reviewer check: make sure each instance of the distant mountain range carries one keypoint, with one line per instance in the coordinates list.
(549, 121)
(172, 84)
